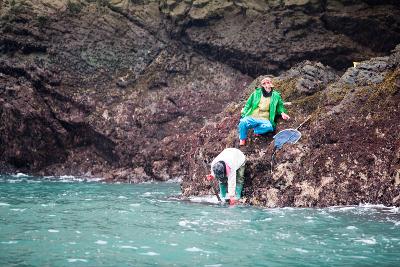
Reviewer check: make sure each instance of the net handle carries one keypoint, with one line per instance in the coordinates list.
(301, 124)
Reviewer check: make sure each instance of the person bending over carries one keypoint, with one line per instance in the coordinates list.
(228, 169)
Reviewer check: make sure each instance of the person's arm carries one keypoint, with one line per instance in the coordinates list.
(248, 105)
(211, 176)
(232, 183)
(232, 187)
(280, 109)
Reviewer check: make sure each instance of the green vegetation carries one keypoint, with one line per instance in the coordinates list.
(310, 103)
(337, 93)
(287, 88)
(388, 86)
(381, 95)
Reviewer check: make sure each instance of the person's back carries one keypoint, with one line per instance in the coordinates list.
(232, 156)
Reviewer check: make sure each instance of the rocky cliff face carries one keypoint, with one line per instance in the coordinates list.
(87, 89)
(259, 36)
(120, 89)
(349, 152)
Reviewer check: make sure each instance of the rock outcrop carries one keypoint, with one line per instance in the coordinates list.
(260, 36)
(349, 152)
(120, 89)
(88, 90)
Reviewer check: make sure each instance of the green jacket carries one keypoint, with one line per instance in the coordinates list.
(275, 106)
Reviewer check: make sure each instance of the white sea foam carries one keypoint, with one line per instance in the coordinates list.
(394, 209)
(351, 227)
(53, 231)
(204, 199)
(346, 208)
(173, 244)
(67, 177)
(9, 242)
(130, 247)
(19, 175)
(4, 204)
(174, 180)
(150, 253)
(194, 249)
(149, 182)
(280, 235)
(71, 179)
(122, 197)
(101, 242)
(76, 260)
(134, 205)
(33, 181)
(301, 250)
(358, 257)
(186, 223)
(20, 210)
(368, 241)
(163, 201)
(368, 205)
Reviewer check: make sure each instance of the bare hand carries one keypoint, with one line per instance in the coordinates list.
(209, 177)
(285, 116)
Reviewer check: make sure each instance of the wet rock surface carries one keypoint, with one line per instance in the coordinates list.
(86, 90)
(140, 90)
(348, 153)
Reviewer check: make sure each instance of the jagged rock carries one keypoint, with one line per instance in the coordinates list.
(309, 77)
(63, 111)
(345, 157)
(364, 73)
(78, 121)
(259, 39)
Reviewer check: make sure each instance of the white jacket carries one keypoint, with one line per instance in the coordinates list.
(234, 158)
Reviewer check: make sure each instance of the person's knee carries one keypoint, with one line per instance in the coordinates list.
(242, 123)
(267, 126)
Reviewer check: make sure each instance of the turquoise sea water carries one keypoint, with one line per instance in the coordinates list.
(64, 222)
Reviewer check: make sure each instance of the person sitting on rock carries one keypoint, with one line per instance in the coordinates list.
(260, 111)
(228, 168)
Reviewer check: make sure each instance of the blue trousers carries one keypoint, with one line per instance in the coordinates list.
(260, 126)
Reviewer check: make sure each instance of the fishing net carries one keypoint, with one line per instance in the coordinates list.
(290, 136)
